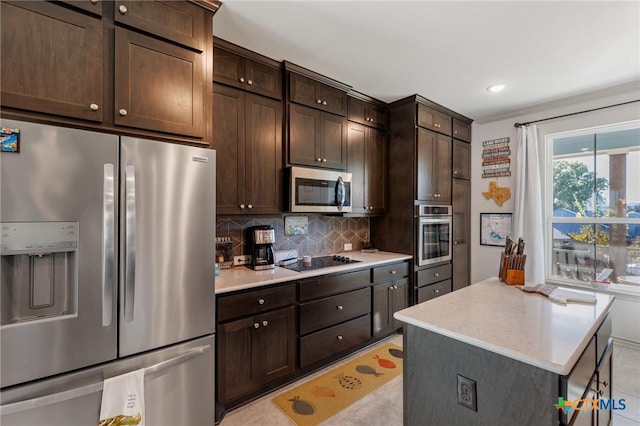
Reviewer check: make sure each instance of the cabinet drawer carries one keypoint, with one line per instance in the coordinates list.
(434, 290)
(432, 275)
(249, 303)
(333, 284)
(386, 273)
(334, 340)
(333, 310)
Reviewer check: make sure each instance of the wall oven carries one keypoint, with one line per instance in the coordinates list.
(434, 232)
(318, 190)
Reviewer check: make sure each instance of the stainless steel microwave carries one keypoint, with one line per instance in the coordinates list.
(318, 190)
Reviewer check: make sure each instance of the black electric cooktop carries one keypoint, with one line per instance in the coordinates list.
(319, 262)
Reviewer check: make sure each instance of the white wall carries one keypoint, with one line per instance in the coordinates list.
(485, 259)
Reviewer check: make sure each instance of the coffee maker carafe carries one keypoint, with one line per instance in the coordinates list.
(261, 240)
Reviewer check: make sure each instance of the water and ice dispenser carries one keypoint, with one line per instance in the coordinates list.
(39, 270)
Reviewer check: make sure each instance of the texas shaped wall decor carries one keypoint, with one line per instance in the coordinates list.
(500, 194)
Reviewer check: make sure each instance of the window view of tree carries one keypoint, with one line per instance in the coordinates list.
(594, 221)
(573, 187)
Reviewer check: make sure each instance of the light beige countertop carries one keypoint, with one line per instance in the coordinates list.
(243, 277)
(505, 320)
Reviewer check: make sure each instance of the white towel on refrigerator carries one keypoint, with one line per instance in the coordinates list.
(123, 400)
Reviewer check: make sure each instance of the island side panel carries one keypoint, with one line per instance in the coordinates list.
(508, 391)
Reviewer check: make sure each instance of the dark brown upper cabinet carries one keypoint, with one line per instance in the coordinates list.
(434, 167)
(317, 138)
(309, 92)
(366, 161)
(140, 68)
(461, 161)
(369, 114)
(248, 141)
(176, 21)
(159, 86)
(435, 120)
(461, 130)
(43, 67)
(239, 71)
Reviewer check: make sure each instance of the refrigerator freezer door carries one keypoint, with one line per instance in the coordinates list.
(179, 390)
(167, 244)
(58, 280)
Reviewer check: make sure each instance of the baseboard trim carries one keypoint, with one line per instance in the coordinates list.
(626, 343)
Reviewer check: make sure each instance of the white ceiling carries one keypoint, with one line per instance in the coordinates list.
(449, 51)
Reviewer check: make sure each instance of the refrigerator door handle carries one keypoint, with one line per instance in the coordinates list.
(130, 243)
(161, 367)
(108, 246)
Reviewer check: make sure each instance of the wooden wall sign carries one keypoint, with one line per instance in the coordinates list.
(495, 158)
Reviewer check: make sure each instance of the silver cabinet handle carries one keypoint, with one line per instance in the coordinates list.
(108, 243)
(130, 243)
(318, 101)
(395, 287)
(324, 160)
(265, 323)
(249, 82)
(436, 274)
(261, 301)
(256, 325)
(242, 206)
(370, 207)
(318, 159)
(324, 102)
(436, 291)
(241, 79)
(249, 206)
(392, 272)
(340, 307)
(94, 107)
(339, 337)
(455, 243)
(123, 112)
(455, 172)
(122, 9)
(94, 1)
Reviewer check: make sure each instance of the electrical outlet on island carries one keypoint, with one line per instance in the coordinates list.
(467, 392)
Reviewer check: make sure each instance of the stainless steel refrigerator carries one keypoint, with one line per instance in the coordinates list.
(107, 266)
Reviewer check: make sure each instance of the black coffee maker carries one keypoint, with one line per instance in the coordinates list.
(261, 239)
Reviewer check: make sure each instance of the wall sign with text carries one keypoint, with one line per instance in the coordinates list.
(495, 158)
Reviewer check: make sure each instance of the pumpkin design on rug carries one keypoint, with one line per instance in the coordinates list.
(319, 398)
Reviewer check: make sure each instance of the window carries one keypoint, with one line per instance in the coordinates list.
(593, 204)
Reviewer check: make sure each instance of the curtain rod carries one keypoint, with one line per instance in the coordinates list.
(573, 113)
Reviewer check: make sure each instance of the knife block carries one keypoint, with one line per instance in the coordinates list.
(514, 277)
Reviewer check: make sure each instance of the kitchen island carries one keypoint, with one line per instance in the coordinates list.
(506, 355)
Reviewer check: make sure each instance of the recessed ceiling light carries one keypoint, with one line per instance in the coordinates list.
(495, 88)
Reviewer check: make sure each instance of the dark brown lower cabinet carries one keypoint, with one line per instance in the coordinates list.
(255, 351)
(388, 299)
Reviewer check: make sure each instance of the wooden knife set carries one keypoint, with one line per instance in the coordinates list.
(512, 262)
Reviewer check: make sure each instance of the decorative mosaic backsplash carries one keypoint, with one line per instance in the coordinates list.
(325, 234)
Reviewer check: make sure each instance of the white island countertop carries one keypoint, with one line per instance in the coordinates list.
(505, 320)
(243, 277)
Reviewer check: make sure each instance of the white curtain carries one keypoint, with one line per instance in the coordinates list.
(527, 216)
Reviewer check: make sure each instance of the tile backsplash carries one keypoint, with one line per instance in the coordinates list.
(326, 234)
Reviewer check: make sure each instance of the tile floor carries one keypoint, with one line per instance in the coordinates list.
(387, 410)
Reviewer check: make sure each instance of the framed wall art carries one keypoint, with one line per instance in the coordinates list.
(495, 228)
